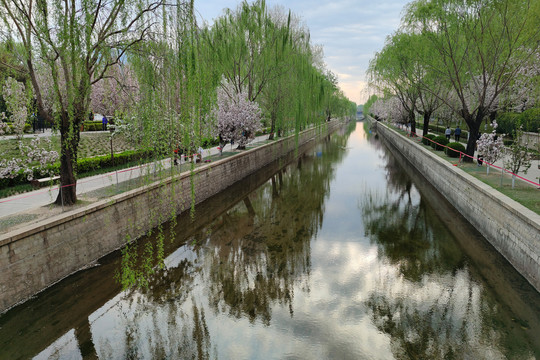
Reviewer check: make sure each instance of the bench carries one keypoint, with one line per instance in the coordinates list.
(37, 183)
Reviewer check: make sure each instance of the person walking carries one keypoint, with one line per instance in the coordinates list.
(457, 133)
(448, 132)
(200, 153)
(104, 123)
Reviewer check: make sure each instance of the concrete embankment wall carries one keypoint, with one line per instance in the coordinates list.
(510, 227)
(33, 258)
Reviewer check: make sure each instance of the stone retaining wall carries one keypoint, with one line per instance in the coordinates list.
(33, 258)
(510, 227)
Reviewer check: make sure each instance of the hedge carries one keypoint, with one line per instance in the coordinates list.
(83, 166)
(27, 128)
(92, 126)
(441, 129)
(454, 146)
(442, 140)
(426, 138)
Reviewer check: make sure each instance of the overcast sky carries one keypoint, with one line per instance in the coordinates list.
(351, 31)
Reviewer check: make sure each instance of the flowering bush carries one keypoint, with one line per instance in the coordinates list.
(34, 158)
(490, 145)
(15, 98)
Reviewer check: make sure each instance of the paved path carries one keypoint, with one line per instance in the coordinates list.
(38, 198)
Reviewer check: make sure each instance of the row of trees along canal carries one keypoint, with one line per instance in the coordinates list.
(469, 59)
(166, 79)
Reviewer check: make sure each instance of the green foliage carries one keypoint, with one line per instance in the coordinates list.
(426, 138)
(439, 142)
(26, 129)
(509, 123)
(94, 163)
(458, 147)
(369, 103)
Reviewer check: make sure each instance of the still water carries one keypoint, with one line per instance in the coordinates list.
(346, 253)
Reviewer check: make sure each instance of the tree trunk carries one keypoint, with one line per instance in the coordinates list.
(425, 129)
(272, 125)
(69, 138)
(412, 120)
(471, 142)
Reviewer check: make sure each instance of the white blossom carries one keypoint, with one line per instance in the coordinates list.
(15, 98)
(490, 145)
(238, 118)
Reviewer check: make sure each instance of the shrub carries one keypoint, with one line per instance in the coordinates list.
(438, 142)
(263, 131)
(426, 139)
(508, 142)
(83, 166)
(209, 142)
(531, 120)
(92, 126)
(454, 146)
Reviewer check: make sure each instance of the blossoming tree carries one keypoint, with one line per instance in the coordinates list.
(238, 118)
(490, 146)
(15, 98)
(36, 156)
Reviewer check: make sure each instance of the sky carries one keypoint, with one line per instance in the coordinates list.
(350, 31)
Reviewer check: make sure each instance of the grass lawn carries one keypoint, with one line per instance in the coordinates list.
(524, 193)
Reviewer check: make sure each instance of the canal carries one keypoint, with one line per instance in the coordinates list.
(345, 253)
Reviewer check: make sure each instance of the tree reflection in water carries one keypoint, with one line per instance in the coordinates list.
(427, 299)
(261, 247)
(241, 264)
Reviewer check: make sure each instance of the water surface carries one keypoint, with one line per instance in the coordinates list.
(346, 253)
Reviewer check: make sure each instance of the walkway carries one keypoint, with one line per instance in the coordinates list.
(35, 199)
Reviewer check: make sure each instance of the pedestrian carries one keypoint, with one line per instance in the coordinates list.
(480, 160)
(200, 151)
(104, 123)
(457, 133)
(176, 152)
(448, 132)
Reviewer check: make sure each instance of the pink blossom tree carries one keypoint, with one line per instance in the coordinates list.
(116, 92)
(518, 156)
(38, 154)
(390, 109)
(490, 146)
(15, 98)
(238, 118)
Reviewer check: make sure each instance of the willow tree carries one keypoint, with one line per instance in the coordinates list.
(244, 44)
(280, 95)
(481, 46)
(76, 42)
(176, 88)
(395, 70)
(265, 55)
